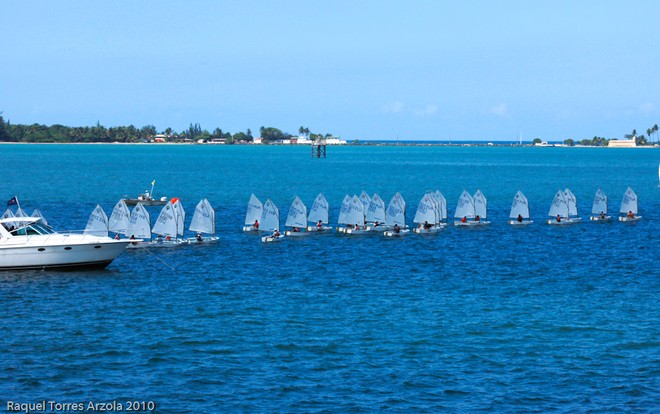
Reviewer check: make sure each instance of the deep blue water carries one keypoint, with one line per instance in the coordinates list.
(471, 320)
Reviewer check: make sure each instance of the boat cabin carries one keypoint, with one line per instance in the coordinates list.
(23, 226)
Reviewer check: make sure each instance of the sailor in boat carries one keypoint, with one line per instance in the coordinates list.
(558, 218)
(168, 238)
(376, 223)
(159, 239)
(296, 230)
(357, 227)
(464, 219)
(198, 237)
(602, 215)
(256, 224)
(520, 219)
(477, 219)
(319, 225)
(631, 214)
(426, 225)
(117, 236)
(276, 233)
(397, 229)
(132, 238)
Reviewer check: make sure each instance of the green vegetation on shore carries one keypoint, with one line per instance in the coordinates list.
(38, 133)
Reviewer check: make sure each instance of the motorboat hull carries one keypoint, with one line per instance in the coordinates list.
(67, 254)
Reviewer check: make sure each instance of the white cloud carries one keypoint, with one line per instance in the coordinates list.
(429, 110)
(393, 108)
(499, 110)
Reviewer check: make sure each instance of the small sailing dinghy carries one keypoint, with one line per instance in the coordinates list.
(396, 217)
(519, 214)
(629, 206)
(442, 207)
(168, 226)
(203, 223)
(118, 221)
(471, 210)
(375, 215)
(559, 210)
(97, 224)
(354, 219)
(571, 201)
(270, 220)
(599, 208)
(254, 211)
(319, 215)
(427, 215)
(139, 227)
(296, 219)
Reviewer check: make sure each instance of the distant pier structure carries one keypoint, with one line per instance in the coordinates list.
(318, 149)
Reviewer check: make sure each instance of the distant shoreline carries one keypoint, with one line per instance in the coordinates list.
(349, 144)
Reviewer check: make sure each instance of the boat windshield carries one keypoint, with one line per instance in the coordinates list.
(32, 229)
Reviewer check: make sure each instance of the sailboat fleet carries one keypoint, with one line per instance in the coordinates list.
(168, 229)
(364, 214)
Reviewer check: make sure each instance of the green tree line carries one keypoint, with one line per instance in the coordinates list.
(98, 133)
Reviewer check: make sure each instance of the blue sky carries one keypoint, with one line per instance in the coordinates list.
(414, 70)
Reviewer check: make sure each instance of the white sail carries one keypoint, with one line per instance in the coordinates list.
(8, 214)
(297, 216)
(138, 223)
(180, 215)
(559, 206)
(396, 211)
(520, 206)
(480, 205)
(600, 203)
(629, 202)
(345, 210)
(364, 197)
(254, 210)
(376, 210)
(97, 225)
(319, 211)
(443, 205)
(37, 213)
(166, 223)
(465, 206)
(356, 214)
(571, 202)
(118, 221)
(270, 217)
(426, 210)
(203, 219)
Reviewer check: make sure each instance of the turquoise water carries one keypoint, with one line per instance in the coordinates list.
(490, 319)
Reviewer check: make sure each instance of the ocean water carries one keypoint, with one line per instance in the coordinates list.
(496, 319)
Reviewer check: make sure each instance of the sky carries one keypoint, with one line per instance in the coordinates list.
(365, 70)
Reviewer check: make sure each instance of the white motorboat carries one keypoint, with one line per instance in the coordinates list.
(32, 245)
